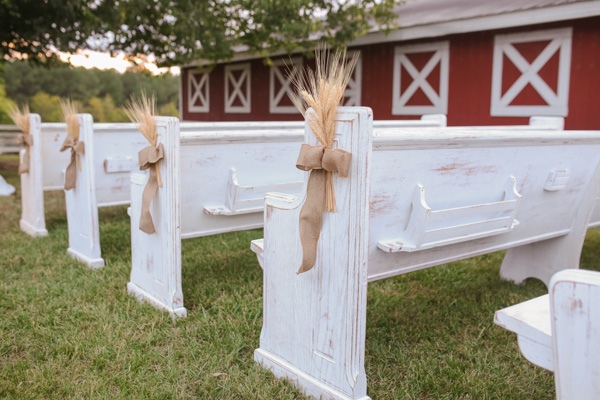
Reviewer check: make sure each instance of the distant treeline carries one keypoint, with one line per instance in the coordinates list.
(101, 93)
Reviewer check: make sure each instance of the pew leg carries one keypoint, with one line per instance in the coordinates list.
(542, 259)
(156, 258)
(314, 323)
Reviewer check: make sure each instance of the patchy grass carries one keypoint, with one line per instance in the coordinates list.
(67, 331)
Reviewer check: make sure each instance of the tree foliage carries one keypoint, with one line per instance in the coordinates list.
(177, 32)
(101, 93)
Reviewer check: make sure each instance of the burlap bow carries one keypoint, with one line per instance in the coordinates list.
(77, 149)
(149, 157)
(27, 141)
(321, 162)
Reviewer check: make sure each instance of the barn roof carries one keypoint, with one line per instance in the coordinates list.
(435, 18)
(423, 12)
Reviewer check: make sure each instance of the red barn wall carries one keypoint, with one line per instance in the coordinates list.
(469, 86)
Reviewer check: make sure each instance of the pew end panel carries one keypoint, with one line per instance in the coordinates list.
(575, 311)
(82, 212)
(314, 323)
(33, 220)
(560, 332)
(441, 196)
(156, 258)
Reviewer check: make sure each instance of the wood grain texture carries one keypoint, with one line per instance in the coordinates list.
(156, 258)
(33, 221)
(212, 199)
(473, 176)
(314, 323)
(560, 332)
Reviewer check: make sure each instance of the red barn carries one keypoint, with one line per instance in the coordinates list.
(481, 62)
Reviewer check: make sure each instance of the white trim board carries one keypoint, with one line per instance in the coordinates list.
(556, 102)
(439, 100)
(238, 88)
(198, 90)
(279, 75)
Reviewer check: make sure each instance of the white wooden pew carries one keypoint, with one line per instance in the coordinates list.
(223, 194)
(45, 172)
(111, 153)
(49, 163)
(415, 199)
(214, 181)
(560, 332)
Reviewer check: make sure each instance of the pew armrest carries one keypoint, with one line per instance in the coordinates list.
(257, 246)
(530, 320)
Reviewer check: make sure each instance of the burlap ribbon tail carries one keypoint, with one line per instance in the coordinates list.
(321, 162)
(27, 141)
(77, 149)
(148, 158)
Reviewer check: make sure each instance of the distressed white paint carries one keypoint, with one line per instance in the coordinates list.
(223, 176)
(237, 88)
(32, 194)
(313, 323)
(560, 332)
(47, 165)
(156, 258)
(198, 91)
(429, 228)
(556, 102)
(438, 99)
(103, 181)
(82, 214)
(278, 76)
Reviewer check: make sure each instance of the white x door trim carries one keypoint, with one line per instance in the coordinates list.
(237, 88)
(198, 91)
(353, 93)
(277, 76)
(439, 100)
(556, 102)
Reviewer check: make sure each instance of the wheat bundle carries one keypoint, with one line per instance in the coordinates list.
(141, 111)
(72, 142)
(20, 117)
(321, 90)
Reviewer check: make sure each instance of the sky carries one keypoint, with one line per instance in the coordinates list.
(91, 59)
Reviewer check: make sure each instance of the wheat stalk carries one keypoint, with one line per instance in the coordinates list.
(69, 110)
(323, 90)
(20, 116)
(141, 110)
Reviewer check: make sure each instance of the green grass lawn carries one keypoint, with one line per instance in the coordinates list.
(67, 331)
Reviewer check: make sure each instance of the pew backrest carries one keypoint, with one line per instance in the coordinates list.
(442, 196)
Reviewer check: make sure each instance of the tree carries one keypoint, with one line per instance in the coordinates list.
(177, 32)
(47, 106)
